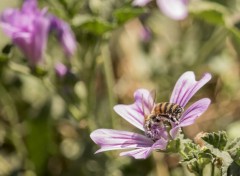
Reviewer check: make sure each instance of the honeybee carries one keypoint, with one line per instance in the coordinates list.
(162, 114)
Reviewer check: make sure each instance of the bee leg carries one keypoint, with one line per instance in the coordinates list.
(175, 120)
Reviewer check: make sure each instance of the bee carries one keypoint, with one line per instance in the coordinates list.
(163, 113)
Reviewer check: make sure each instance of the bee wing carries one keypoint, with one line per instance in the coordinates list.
(152, 97)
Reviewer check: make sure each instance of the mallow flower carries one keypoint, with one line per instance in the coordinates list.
(140, 146)
(29, 28)
(60, 69)
(64, 35)
(175, 9)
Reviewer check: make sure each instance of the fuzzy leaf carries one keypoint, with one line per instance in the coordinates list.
(217, 140)
(211, 12)
(97, 26)
(199, 161)
(173, 146)
(92, 24)
(233, 146)
(124, 14)
(223, 156)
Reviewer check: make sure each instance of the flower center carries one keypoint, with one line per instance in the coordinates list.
(156, 127)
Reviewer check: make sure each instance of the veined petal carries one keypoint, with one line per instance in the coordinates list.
(174, 131)
(131, 114)
(175, 9)
(186, 87)
(135, 113)
(160, 144)
(144, 100)
(39, 40)
(194, 111)
(141, 153)
(140, 2)
(109, 139)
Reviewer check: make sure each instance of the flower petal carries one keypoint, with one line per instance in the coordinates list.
(109, 139)
(131, 114)
(160, 144)
(141, 153)
(175, 9)
(64, 34)
(186, 87)
(39, 40)
(144, 99)
(174, 131)
(140, 2)
(194, 111)
(135, 113)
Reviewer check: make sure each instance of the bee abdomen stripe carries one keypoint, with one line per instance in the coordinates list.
(171, 108)
(165, 108)
(175, 106)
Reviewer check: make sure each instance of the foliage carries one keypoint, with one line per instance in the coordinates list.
(46, 119)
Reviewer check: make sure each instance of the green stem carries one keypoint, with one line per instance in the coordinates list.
(12, 116)
(109, 74)
(216, 40)
(213, 170)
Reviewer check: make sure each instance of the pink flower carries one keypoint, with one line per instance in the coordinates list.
(143, 145)
(175, 9)
(29, 28)
(60, 69)
(64, 35)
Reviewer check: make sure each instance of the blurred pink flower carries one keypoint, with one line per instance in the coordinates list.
(29, 27)
(60, 69)
(135, 114)
(145, 34)
(175, 9)
(64, 35)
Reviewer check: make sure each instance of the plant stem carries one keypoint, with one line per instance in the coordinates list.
(213, 170)
(108, 70)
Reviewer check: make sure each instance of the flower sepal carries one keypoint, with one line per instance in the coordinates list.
(173, 146)
(39, 71)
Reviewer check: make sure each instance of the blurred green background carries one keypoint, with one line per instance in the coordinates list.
(45, 121)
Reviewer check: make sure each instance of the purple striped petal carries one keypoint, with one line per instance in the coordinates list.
(186, 87)
(160, 144)
(131, 114)
(174, 131)
(175, 9)
(134, 113)
(194, 111)
(144, 100)
(141, 153)
(109, 139)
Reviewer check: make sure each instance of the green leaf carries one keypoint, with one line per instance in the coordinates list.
(233, 149)
(210, 12)
(126, 13)
(217, 140)
(92, 24)
(222, 156)
(198, 161)
(173, 146)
